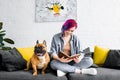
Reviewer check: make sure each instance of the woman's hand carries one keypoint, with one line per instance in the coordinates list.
(65, 60)
(77, 59)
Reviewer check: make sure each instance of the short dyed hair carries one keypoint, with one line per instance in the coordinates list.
(68, 24)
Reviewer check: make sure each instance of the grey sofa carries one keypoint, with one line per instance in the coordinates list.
(103, 74)
(12, 71)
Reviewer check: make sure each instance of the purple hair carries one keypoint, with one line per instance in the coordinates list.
(68, 24)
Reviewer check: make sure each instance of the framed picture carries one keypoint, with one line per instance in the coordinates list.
(55, 10)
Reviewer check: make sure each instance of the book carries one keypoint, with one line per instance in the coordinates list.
(63, 54)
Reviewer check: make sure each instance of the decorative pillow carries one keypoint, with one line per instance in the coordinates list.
(100, 55)
(12, 60)
(26, 52)
(0, 62)
(113, 59)
(87, 52)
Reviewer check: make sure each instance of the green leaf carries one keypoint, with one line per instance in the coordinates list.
(1, 25)
(3, 34)
(2, 31)
(1, 39)
(6, 48)
(2, 44)
(10, 41)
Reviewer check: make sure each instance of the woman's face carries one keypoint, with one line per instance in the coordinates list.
(70, 31)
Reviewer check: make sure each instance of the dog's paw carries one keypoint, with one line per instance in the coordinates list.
(42, 72)
(34, 74)
(25, 69)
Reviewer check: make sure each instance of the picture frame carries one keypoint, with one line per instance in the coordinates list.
(55, 10)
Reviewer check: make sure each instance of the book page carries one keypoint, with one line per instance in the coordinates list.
(62, 54)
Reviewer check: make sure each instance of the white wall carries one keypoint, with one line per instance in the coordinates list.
(98, 21)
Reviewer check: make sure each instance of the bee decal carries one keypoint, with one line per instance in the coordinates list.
(55, 8)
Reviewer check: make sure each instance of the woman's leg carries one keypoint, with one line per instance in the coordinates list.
(56, 65)
(85, 63)
(75, 68)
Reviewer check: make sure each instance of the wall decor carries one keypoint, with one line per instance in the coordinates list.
(55, 10)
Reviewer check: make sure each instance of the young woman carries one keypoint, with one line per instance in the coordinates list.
(69, 43)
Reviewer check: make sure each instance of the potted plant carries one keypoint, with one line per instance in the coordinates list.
(3, 39)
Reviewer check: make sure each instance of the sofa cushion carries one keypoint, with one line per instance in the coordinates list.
(0, 62)
(27, 75)
(100, 55)
(87, 52)
(102, 74)
(113, 59)
(26, 52)
(12, 60)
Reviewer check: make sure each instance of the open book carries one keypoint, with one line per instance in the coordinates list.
(63, 54)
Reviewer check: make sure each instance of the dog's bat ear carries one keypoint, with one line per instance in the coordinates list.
(44, 42)
(37, 42)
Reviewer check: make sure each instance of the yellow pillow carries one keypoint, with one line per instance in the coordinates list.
(100, 55)
(26, 52)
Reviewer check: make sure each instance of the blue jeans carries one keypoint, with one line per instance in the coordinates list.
(72, 66)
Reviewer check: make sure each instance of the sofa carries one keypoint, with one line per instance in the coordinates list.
(13, 62)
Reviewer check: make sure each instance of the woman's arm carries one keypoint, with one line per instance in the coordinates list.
(55, 49)
(77, 49)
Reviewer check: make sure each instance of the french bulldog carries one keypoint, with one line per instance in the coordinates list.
(40, 58)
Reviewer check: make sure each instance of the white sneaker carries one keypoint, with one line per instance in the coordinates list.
(60, 73)
(90, 71)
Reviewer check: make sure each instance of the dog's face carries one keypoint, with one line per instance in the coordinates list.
(40, 48)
